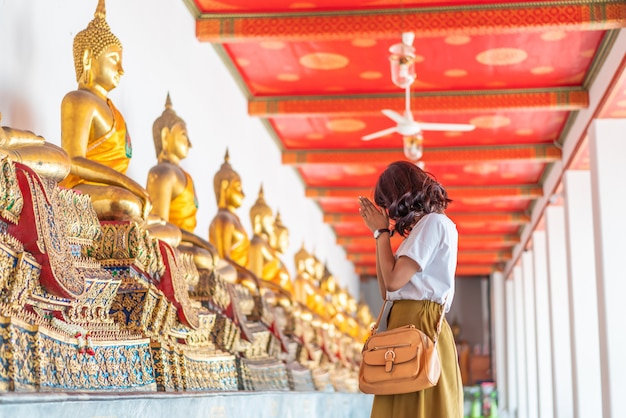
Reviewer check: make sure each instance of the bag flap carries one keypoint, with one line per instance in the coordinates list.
(403, 343)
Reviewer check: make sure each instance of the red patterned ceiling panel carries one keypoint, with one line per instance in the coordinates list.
(357, 230)
(350, 205)
(266, 6)
(479, 174)
(492, 129)
(445, 63)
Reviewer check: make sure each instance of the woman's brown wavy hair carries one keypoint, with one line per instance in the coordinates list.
(407, 192)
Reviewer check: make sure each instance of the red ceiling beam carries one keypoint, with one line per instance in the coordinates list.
(465, 241)
(464, 257)
(426, 22)
(466, 246)
(455, 192)
(532, 152)
(461, 270)
(461, 102)
(458, 218)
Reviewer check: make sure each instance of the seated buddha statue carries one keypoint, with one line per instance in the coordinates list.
(93, 131)
(323, 307)
(172, 191)
(306, 290)
(47, 160)
(226, 233)
(263, 259)
(280, 245)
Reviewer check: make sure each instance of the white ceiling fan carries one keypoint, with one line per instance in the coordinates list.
(407, 126)
(403, 75)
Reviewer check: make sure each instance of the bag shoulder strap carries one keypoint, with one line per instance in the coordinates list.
(439, 322)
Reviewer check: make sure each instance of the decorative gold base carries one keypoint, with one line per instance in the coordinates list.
(179, 368)
(267, 374)
(39, 358)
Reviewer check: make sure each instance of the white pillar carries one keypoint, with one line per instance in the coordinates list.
(608, 171)
(559, 313)
(542, 325)
(531, 341)
(520, 339)
(498, 315)
(582, 295)
(511, 348)
(484, 294)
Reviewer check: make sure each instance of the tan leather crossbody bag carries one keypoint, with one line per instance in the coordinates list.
(399, 360)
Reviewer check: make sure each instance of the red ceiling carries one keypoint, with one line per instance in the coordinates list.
(318, 73)
(457, 62)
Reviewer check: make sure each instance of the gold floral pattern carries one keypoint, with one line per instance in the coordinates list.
(11, 199)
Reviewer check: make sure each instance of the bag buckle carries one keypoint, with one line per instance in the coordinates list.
(390, 356)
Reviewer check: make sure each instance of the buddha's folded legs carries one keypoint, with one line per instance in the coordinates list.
(113, 203)
(203, 259)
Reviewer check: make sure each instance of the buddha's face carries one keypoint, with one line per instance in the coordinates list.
(234, 194)
(282, 241)
(107, 68)
(267, 225)
(318, 269)
(309, 266)
(180, 143)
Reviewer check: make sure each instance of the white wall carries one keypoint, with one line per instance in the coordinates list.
(161, 54)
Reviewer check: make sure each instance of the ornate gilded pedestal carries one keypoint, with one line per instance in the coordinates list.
(55, 328)
(85, 306)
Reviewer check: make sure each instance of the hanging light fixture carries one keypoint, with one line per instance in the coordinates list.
(402, 60)
(413, 149)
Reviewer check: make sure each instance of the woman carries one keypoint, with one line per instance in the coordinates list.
(419, 279)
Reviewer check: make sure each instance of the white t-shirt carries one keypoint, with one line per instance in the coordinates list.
(433, 244)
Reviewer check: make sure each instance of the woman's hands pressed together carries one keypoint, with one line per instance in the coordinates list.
(375, 218)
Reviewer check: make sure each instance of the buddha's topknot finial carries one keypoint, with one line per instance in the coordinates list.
(101, 11)
(300, 258)
(278, 221)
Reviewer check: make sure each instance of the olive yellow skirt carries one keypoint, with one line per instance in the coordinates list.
(445, 400)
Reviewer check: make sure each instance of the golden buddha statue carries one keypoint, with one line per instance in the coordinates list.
(305, 287)
(47, 160)
(226, 232)
(328, 288)
(172, 190)
(93, 131)
(280, 246)
(263, 258)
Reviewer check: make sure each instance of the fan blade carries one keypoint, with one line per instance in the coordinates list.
(393, 115)
(378, 134)
(458, 127)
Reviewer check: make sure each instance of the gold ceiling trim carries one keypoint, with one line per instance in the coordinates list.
(401, 10)
(418, 94)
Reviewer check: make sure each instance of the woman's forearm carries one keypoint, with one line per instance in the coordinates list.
(384, 261)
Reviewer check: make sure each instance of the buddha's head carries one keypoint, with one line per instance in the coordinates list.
(227, 186)
(169, 132)
(282, 235)
(318, 270)
(328, 283)
(98, 53)
(262, 217)
(305, 262)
